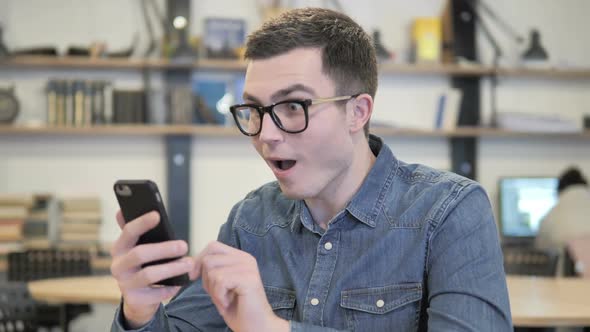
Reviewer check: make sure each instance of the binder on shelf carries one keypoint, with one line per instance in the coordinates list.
(52, 104)
(69, 103)
(129, 106)
(78, 103)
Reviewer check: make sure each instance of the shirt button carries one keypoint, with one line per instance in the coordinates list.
(380, 303)
(328, 246)
(315, 301)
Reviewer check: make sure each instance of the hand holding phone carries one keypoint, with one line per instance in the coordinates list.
(138, 197)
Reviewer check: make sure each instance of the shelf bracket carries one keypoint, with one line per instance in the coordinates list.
(464, 149)
(178, 169)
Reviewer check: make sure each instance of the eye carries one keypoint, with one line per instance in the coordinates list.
(294, 107)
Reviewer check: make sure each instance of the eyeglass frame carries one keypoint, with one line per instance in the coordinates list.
(305, 103)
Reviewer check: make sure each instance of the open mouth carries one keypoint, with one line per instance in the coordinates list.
(284, 165)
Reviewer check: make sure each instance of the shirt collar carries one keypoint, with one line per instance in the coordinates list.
(366, 204)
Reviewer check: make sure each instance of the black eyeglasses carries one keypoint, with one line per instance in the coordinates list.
(290, 116)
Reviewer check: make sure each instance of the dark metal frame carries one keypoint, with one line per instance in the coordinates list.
(464, 149)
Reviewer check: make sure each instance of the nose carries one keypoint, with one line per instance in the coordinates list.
(269, 132)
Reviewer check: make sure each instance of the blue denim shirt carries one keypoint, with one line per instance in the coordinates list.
(415, 249)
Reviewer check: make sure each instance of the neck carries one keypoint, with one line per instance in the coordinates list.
(337, 194)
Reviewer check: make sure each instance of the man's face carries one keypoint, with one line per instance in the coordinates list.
(313, 163)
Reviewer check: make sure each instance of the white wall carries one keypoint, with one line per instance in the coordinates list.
(93, 163)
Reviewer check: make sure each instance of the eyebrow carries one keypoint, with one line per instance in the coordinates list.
(282, 92)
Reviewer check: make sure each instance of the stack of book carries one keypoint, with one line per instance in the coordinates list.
(80, 222)
(36, 234)
(14, 210)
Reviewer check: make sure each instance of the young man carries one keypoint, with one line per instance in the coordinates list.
(348, 237)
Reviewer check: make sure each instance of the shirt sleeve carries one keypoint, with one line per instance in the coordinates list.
(465, 275)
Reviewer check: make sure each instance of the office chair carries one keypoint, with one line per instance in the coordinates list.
(51, 263)
(18, 311)
(530, 261)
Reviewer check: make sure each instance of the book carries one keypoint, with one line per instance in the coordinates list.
(448, 107)
(80, 204)
(35, 228)
(129, 106)
(52, 91)
(79, 237)
(81, 217)
(210, 92)
(78, 88)
(10, 246)
(527, 122)
(11, 231)
(224, 37)
(80, 227)
(16, 199)
(13, 212)
(427, 40)
(181, 105)
(36, 243)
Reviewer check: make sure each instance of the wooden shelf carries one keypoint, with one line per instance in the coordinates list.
(72, 62)
(473, 132)
(215, 64)
(132, 64)
(218, 131)
(124, 130)
(434, 70)
(239, 65)
(546, 73)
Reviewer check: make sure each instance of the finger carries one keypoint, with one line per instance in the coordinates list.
(150, 275)
(216, 247)
(210, 259)
(120, 219)
(133, 230)
(222, 284)
(213, 248)
(145, 253)
(150, 295)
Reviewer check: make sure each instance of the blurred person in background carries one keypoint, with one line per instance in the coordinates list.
(569, 218)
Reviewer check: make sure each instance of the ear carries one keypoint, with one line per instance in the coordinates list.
(362, 108)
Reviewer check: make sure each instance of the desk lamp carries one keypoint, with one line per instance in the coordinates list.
(535, 51)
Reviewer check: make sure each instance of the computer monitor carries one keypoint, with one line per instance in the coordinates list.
(524, 201)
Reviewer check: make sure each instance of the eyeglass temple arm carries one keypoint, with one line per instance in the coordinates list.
(326, 100)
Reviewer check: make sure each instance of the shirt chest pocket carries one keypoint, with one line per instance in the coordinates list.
(281, 300)
(393, 307)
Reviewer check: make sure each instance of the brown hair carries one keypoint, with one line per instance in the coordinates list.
(348, 54)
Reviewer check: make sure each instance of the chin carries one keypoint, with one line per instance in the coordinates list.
(294, 192)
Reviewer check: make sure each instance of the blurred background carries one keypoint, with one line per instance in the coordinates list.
(96, 91)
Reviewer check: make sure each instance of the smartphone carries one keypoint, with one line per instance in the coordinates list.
(138, 197)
